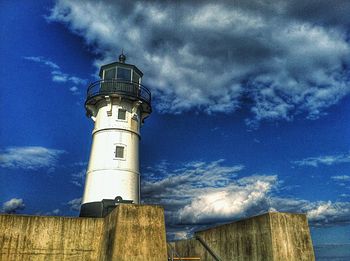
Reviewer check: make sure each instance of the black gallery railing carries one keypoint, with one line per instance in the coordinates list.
(121, 87)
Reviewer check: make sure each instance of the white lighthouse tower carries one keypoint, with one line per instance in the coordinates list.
(118, 104)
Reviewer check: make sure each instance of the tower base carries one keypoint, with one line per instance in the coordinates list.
(100, 209)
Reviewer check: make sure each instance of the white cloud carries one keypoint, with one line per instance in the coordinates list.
(74, 204)
(56, 72)
(78, 178)
(341, 178)
(179, 232)
(42, 60)
(323, 160)
(29, 157)
(179, 235)
(320, 213)
(13, 205)
(59, 78)
(285, 64)
(189, 178)
(74, 90)
(200, 192)
(328, 213)
(56, 211)
(80, 163)
(235, 201)
(196, 195)
(77, 80)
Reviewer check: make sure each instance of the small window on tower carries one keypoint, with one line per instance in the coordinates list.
(121, 114)
(119, 152)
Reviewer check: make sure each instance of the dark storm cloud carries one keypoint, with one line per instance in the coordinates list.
(328, 13)
(286, 57)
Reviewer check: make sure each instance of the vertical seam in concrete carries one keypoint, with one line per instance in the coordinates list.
(312, 244)
(272, 235)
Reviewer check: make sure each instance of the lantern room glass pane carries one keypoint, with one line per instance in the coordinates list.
(135, 77)
(109, 74)
(124, 74)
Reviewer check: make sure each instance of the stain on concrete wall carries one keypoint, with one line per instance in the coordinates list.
(49, 238)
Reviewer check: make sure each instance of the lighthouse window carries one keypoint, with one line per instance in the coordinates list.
(119, 152)
(124, 74)
(121, 114)
(109, 74)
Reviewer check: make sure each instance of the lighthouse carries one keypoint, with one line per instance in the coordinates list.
(118, 104)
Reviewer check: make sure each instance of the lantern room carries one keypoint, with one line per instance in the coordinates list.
(119, 79)
(121, 71)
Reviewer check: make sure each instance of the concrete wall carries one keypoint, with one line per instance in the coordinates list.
(138, 234)
(49, 238)
(272, 236)
(130, 232)
(291, 238)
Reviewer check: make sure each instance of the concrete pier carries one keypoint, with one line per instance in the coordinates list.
(271, 236)
(130, 232)
(137, 232)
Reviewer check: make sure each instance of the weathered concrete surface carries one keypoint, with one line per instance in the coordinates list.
(291, 238)
(138, 233)
(272, 236)
(49, 238)
(130, 232)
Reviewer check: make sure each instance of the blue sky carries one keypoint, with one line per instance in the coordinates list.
(251, 108)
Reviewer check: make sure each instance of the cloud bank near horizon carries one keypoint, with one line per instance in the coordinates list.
(196, 195)
(279, 56)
